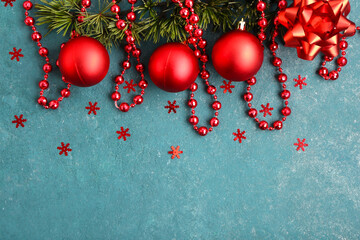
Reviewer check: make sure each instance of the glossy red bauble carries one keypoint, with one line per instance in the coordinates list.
(173, 67)
(237, 55)
(84, 61)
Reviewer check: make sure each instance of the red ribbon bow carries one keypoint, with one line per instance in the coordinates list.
(316, 26)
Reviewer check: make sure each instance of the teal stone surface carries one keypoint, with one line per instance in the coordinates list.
(108, 188)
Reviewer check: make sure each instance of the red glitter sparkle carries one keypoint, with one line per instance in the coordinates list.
(239, 135)
(172, 106)
(130, 86)
(266, 109)
(8, 2)
(19, 121)
(123, 133)
(16, 54)
(300, 82)
(64, 149)
(301, 144)
(92, 108)
(175, 152)
(227, 86)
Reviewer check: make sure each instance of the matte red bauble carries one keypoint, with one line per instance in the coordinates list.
(83, 61)
(173, 67)
(237, 55)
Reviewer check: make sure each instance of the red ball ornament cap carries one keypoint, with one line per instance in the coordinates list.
(173, 67)
(237, 55)
(84, 61)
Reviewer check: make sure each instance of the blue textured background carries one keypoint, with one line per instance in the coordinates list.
(110, 189)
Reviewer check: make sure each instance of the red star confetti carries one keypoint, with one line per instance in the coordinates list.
(239, 135)
(19, 121)
(92, 108)
(16, 54)
(123, 133)
(172, 106)
(8, 2)
(300, 82)
(130, 86)
(301, 144)
(64, 149)
(175, 152)
(227, 86)
(266, 109)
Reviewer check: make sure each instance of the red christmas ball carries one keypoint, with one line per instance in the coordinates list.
(173, 67)
(237, 55)
(83, 61)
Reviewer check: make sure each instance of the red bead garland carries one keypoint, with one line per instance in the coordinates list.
(47, 68)
(277, 62)
(131, 49)
(196, 40)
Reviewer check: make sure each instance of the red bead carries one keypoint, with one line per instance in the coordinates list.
(131, 16)
(115, 8)
(192, 103)
(119, 79)
(334, 75)
(204, 58)
(130, 39)
(184, 13)
(136, 53)
(285, 94)
(211, 89)
(43, 51)
(115, 96)
(27, 5)
(143, 84)
(43, 84)
(261, 6)
(328, 58)
(138, 99)
(65, 93)
(42, 101)
(126, 64)
(342, 61)
(139, 67)
(214, 122)
(263, 125)
(216, 105)
(202, 43)
(282, 77)
(29, 21)
(343, 45)
(194, 18)
(124, 107)
(86, 3)
(193, 87)
(273, 47)
(132, 1)
(204, 74)
(278, 125)
(262, 36)
(189, 3)
(262, 22)
(36, 36)
(277, 62)
(286, 111)
(193, 120)
(323, 71)
(248, 97)
(198, 32)
(47, 67)
(54, 104)
(252, 112)
(197, 53)
(189, 27)
(251, 81)
(121, 24)
(202, 131)
(282, 4)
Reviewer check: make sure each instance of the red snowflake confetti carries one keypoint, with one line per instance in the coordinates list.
(300, 82)
(301, 144)
(92, 108)
(64, 149)
(239, 135)
(8, 2)
(175, 152)
(19, 121)
(16, 54)
(266, 109)
(227, 86)
(172, 106)
(123, 133)
(130, 86)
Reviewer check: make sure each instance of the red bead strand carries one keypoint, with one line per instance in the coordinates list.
(133, 50)
(282, 77)
(199, 43)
